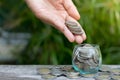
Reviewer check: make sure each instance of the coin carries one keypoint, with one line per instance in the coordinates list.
(71, 23)
(115, 71)
(115, 77)
(96, 59)
(48, 76)
(87, 53)
(76, 29)
(91, 63)
(43, 71)
(73, 27)
(105, 69)
(56, 72)
(77, 32)
(81, 60)
(67, 68)
(103, 76)
(73, 75)
(88, 75)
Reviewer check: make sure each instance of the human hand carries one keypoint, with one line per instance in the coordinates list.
(56, 12)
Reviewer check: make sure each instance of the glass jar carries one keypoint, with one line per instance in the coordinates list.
(86, 58)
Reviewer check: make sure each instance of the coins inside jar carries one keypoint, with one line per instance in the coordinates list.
(86, 58)
(74, 27)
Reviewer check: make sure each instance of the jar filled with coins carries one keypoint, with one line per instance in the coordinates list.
(86, 58)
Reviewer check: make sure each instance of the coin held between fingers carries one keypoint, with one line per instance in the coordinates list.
(74, 27)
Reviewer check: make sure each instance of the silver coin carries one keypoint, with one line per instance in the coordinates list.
(76, 32)
(115, 71)
(67, 68)
(115, 77)
(76, 29)
(96, 57)
(81, 59)
(56, 72)
(73, 27)
(43, 71)
(89, 75)
(103, 76)
(82, 56)
(87, 53)
(48, 76)
(71, 23)
(105, 69)
(91, 63)
(73, 75)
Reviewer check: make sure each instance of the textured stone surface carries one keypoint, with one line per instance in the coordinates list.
(29, 72)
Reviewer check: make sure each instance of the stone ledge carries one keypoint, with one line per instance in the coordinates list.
(29, 72)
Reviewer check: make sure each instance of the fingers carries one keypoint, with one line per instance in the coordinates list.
(59, 24)
(71, 9)
(78, 38)
(68, 34)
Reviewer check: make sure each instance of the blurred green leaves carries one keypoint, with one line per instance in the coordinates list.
(99, 18)
(101, 21)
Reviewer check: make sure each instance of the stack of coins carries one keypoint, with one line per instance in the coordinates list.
(74, 27)
(86, 59)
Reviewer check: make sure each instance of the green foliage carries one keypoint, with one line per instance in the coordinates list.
(99, 18)
(101, 21)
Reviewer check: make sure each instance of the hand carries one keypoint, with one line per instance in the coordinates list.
(56, 12)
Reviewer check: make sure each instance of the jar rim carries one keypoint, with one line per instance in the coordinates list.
(92, 45)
